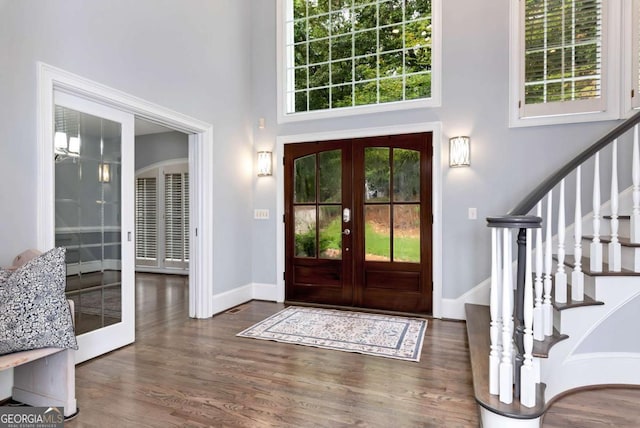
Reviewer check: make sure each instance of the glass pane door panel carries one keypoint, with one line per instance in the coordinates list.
(377, 233)
(305, 231)
(406, 233)
(330, 176)
(329, 232)
(304, 180)
(88, 214)
(377, 172)
(406, 175)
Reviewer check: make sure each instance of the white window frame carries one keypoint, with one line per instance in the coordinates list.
(436, 76)
(572, 111)
(631, 61)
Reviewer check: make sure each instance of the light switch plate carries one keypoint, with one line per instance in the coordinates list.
(261, 214)
(473, 213)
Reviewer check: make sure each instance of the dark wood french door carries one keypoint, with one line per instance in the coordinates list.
(358, 223)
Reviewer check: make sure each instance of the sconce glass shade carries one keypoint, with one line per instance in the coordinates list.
(104, 173)
(74, 146)
(265, 164)
(459, 151)
(60, 142)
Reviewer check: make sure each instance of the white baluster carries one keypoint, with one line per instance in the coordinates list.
(615, 250)
(595, 253)
(538, 322)
(635, 174)
(496, 314)
(547, 309)
(527, 378)
(577, 276)
(506, 365)
(561, 276)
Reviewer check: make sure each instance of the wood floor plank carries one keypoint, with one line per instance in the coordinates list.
(183, 372)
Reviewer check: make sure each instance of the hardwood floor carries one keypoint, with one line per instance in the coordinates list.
(197, 373)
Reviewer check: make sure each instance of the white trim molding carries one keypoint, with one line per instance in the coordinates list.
(435, 128)
(200, 160)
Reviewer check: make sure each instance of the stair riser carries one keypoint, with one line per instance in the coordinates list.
(605, 228)
(630, 255)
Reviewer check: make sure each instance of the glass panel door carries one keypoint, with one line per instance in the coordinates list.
(93, 220)
(370, 247)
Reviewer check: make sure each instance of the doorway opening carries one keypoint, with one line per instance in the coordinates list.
(200, 157)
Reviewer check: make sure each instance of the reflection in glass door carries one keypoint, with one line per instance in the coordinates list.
(92, 223)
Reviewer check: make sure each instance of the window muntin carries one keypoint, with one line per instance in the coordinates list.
(563, 58)
(634, 82)
(347, 53)
(563, 47)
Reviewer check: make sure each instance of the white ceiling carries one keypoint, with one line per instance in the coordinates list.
(144, 127)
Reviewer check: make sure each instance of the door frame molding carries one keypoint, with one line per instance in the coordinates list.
(50, 79)
(434, 127)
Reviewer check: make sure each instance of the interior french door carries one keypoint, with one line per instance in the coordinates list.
(358, 223)
(94, 220)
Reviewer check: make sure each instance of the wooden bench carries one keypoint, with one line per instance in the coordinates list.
(44, 377)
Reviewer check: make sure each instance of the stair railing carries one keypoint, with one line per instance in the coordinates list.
(522, 313)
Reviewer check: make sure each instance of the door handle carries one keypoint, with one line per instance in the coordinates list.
(346, 232)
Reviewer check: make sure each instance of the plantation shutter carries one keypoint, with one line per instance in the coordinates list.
(146, 220)
(635, 60)
(176, 217)
(185, 232)
(563, 57)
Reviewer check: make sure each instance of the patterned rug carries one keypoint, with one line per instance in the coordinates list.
(371, 334)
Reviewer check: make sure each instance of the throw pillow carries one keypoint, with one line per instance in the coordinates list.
(34, 312)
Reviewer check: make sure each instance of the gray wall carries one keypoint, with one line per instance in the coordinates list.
(153, 148)
(192, 57)
(506, 163)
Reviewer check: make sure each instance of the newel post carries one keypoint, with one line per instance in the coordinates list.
(513, 307)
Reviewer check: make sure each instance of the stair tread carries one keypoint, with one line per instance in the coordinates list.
(586, 268)
(620, 217)
(570, 303)
(541, 348)
(624, 241)
(478, 320)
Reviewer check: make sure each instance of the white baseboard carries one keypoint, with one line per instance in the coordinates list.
(95, 266)
(168, 271)
(267, 292)
(229, 299)
(243, 294)
(451, 308)
(454, 308)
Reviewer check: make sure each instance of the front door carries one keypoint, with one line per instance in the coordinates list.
(358, 223)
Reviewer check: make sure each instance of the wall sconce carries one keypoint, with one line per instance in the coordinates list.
(64, 149)
(459, 151)
(104, 173)
(265, 164)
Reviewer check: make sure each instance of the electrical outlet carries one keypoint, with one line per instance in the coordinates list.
(473, 213)
(261, 214)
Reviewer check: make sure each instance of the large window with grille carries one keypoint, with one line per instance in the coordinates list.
(162, 218)
(352, 53)
(563, 56)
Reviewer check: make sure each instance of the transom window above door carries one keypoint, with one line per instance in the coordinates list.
(343, 54)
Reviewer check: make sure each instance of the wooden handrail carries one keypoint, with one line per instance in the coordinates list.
(530, 201)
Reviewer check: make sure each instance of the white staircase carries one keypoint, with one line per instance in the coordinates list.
(565, 315)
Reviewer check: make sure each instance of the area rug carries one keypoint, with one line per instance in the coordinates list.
(371, 334)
